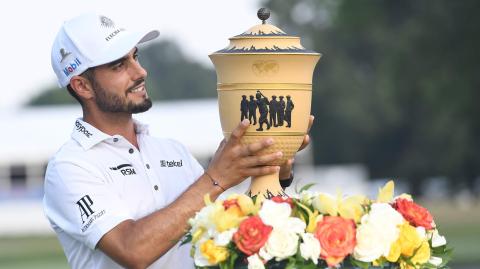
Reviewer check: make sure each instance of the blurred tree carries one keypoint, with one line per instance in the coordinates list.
(171, 75)
(397, 86)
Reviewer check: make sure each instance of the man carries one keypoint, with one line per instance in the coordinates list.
(262, 103)
(288, 111)
(273, 111)
(252, 110)
(244, 108)
(280, 110)
(108, 194)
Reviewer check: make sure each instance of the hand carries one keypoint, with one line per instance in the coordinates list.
(286, 169)
(234, 162)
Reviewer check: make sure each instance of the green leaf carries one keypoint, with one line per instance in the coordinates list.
(186, 239)
(360, 264)
(304, 188)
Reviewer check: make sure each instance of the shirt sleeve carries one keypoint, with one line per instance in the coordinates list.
(80, 202)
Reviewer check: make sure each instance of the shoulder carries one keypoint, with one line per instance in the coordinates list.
(70, 159)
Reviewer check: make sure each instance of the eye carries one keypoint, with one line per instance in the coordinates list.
(118, 65)
(135, 56)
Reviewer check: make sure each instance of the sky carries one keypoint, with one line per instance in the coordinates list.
(28, 28)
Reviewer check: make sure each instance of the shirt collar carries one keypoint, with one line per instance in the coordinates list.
(88, 136)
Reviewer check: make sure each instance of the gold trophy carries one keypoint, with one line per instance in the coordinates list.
(265, 75)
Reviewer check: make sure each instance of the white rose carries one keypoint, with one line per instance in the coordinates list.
(307, 196)
(310, 248)
(294, 225)
(438, 240)
(376, 233)
(435, 260)
(281, 244)
(254, 262)
(203, 218)
(274, 214)
(222, 239)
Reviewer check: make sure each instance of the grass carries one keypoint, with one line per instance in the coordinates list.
(41, 252)
(460, 225)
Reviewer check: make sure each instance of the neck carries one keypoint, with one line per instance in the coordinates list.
(112, 123)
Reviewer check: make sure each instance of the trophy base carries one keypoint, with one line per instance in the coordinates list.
(266, 187)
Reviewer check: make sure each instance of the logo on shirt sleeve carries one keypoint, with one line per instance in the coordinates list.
(85, 206)
(86, 212)
(126, 169)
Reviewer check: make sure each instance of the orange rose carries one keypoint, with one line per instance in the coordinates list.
(337, 238)
(280, 199)
(232, 207)
(414, 213)
(251, 235)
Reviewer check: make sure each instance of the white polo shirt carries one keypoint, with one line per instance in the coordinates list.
(95, 181)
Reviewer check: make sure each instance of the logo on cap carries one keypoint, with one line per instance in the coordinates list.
(64, 54)
(71, 67)
(106, 22)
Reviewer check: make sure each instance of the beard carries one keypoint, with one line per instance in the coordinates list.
(115, 103)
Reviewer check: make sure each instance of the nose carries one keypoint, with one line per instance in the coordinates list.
(137, 71)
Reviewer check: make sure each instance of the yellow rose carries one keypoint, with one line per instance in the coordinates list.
(409, 243)
(395, 251)
(226, 219)
(244, 203)
(409, 239)
(385, 194)
(422, 255)
(349, 208)
(214, 254)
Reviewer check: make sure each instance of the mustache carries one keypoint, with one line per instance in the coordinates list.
(135, 84)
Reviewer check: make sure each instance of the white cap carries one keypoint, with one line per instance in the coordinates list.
(91, 40)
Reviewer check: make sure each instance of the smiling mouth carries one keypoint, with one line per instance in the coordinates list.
(138, 89)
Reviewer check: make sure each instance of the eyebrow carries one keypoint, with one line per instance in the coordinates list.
(124, 58)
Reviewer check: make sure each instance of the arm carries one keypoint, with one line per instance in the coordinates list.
(137, 244)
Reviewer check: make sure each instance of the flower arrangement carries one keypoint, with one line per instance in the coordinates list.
(317, 230)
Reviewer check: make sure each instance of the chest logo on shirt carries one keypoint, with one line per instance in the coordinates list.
(126, 169)
(172, 163)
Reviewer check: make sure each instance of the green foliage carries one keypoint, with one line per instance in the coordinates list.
(305, 188)
(171, 75)
(396, 87)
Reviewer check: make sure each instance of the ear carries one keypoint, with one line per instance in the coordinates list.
(82, 87)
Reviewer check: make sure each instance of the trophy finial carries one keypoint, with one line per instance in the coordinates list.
(263, 14)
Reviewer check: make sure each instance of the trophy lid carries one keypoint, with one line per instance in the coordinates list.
(265, 38)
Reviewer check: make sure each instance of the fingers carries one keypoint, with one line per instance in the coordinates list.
(262, 170)
(253, 148)
(253, 161)
(286, 169)
(310, 123)
(239, 131)
(306, 141)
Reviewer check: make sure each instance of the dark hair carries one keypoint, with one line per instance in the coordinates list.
(88, 74)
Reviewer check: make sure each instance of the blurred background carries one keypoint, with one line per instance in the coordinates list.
(395, 96)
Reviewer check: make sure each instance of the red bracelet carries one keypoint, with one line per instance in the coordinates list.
(214, 182)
